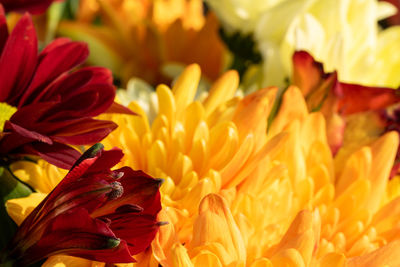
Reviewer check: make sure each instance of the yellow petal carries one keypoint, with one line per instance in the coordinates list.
(333, 260)
(301, 237)
(222, 90)
(252, 112)
(20, 208)
(383, 153)
(215, 223)
(180, 256)
(293, 107)
(386, 255)
(185, 87)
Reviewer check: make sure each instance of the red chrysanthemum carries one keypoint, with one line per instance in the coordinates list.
(33, 6)
(93, 213)
(53, 107)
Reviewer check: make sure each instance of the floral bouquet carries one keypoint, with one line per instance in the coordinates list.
(189, 133)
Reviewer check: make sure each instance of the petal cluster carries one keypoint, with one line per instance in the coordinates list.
(140, 38)
(266, 193)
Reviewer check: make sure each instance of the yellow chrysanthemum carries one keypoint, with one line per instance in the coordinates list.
(239, 192)
(141, 38)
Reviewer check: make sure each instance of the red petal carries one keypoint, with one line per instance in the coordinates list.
(355, 98)
(138, 230)
(307, 73)
(91, 100)
(107, 160)
(80, 133)
(61, 155)
(3, 29)
(65, 84)
(29, 116)
(12, 142)
(34, 136)
(33, 6)
(76, 233)
(117, 108)
(139, 189)
(18, 60)
(53, 63)
(54, 44)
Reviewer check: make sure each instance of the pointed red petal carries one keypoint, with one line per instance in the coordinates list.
(3, 29)
(29, 116)
(118, 108)
(34, 136)
(107, 160)
(80, 133)
(138, 230)
(53, 63)
(76, 233)
(18, 60)
(61, 155)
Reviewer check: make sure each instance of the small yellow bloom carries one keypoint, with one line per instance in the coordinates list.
(239, 192)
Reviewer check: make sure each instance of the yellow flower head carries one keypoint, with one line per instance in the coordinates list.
(141, 38)
(240, 192)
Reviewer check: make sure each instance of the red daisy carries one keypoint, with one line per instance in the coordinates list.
(93, 213)
(44, 106)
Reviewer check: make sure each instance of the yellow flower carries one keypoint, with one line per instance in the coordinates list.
(344, 35)
(241, 15)
(240, 192)
(141, 38)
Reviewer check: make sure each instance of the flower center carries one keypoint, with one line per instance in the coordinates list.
(6, 111)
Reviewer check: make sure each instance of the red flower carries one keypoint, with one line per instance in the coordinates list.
(33, 6)
(93, 213)
(54, 105)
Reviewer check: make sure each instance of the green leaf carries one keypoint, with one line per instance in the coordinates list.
(54, 15)
(10, 187)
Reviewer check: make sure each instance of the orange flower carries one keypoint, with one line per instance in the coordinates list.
(141, 37)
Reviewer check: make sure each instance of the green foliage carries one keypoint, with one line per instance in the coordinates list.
(10, 187)
(243, 49)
